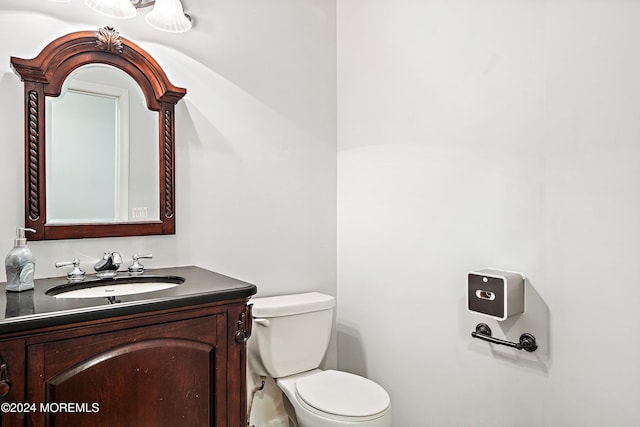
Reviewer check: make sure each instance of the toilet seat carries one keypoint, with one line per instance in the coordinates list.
(342, 396)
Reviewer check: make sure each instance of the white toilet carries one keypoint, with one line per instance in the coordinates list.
(289, 340)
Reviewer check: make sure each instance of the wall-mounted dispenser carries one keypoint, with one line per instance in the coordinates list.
(495, 293)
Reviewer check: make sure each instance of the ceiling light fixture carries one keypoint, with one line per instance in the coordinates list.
(167, 15)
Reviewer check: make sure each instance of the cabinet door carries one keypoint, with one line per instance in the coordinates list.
(11, 383)
(161, 375)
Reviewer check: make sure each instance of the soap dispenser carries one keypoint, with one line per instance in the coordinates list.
(20, 264)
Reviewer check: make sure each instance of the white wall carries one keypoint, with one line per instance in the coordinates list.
(256, 142)
(500, 133)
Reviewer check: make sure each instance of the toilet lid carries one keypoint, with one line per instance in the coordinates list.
(341, 393)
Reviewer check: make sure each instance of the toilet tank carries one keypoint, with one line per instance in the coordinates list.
(290, 333)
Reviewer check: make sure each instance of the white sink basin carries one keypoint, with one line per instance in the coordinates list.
(116, 290)
(115, 287)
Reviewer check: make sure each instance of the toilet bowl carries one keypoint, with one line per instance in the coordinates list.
(335, 399)
(290, 337)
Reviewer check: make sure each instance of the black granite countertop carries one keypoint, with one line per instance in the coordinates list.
(29, 310)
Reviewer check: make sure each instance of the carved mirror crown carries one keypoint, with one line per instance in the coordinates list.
(45, 76)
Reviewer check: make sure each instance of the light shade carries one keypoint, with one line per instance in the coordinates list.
(113, 8)
(168, 15)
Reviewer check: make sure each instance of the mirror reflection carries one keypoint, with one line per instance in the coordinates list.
(101, 153)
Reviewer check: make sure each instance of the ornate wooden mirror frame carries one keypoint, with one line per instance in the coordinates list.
(44, 76)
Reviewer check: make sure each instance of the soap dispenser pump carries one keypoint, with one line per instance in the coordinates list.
(20, 264)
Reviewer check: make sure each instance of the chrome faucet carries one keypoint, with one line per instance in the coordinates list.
(108, 265)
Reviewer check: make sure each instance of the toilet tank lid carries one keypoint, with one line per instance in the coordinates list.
(287, 305)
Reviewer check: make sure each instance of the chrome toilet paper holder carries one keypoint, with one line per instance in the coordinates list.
(527, 341)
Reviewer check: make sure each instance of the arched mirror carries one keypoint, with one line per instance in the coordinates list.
(99, 139)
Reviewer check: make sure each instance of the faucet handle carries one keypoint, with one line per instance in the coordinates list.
(136, 267)
(76, 274)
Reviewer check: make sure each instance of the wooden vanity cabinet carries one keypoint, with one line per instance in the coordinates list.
(175, 367)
